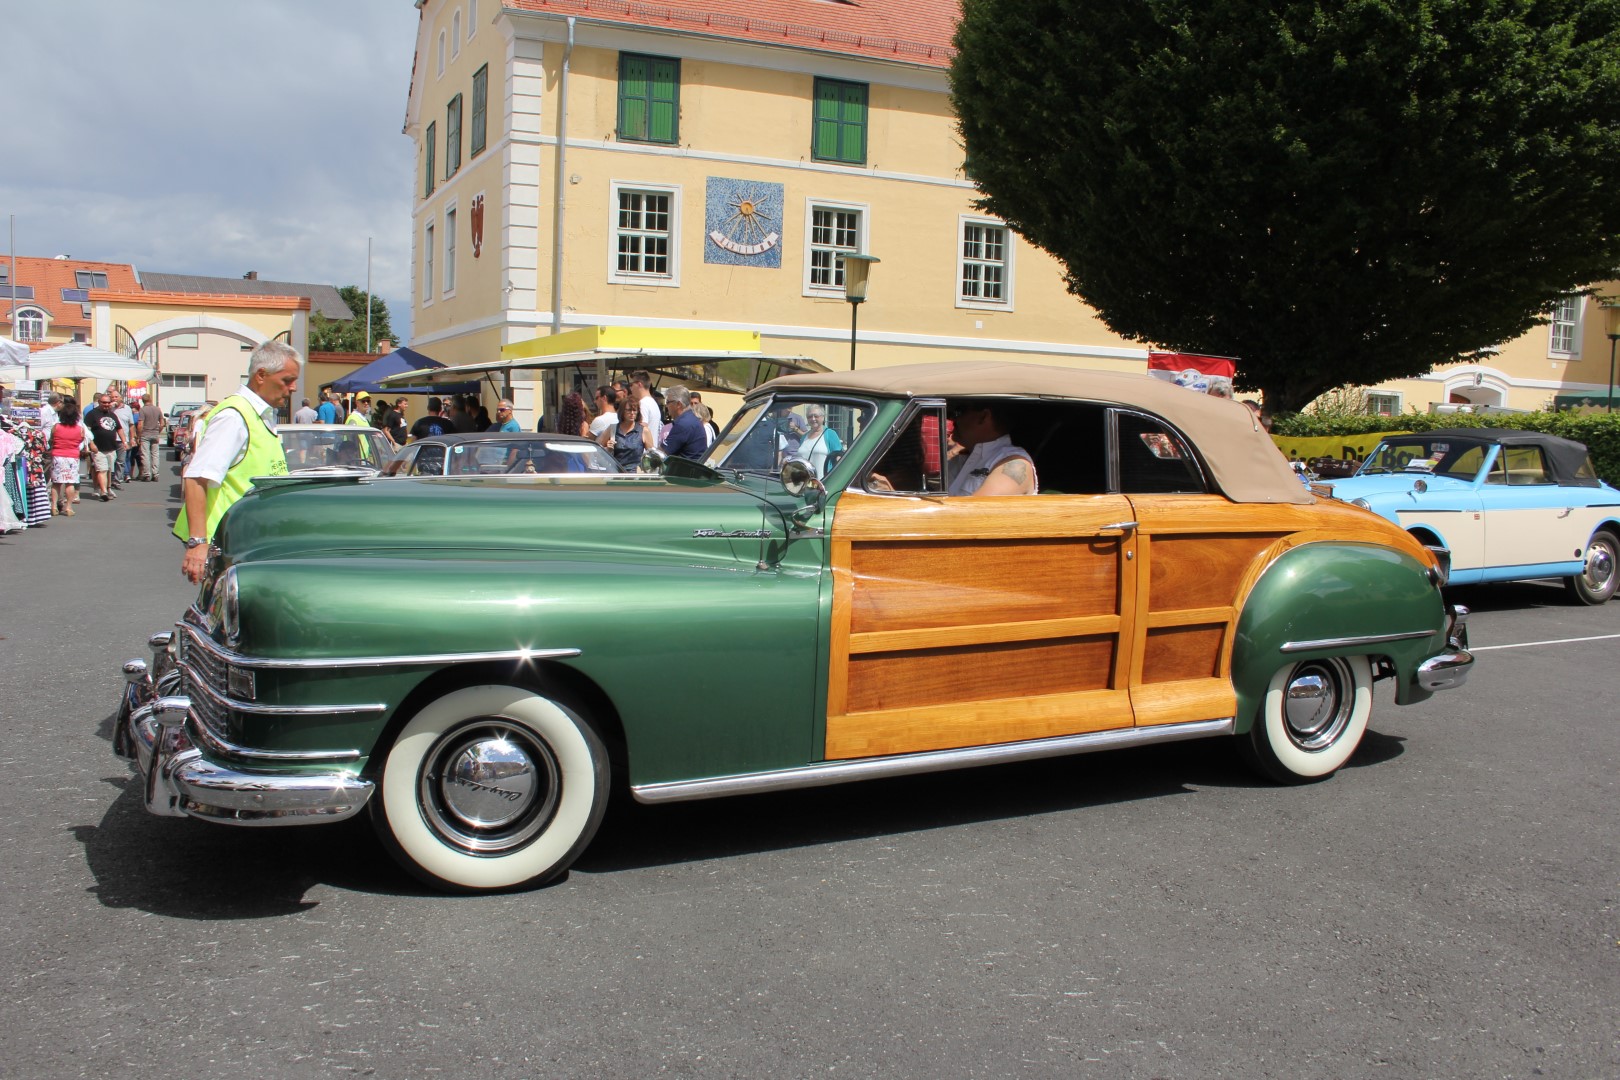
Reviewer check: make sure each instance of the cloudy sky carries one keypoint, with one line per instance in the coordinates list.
(214, 137)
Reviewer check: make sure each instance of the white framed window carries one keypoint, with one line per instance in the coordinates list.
(1383, 403)
(833, 230)
(182, 341)
(450, 250)
(645, 234)
(30, 325)
(183, 382)
(455, 34)
(984, 264)
(441, 54)
(427, 264)
(1564, 335)
(472, 18)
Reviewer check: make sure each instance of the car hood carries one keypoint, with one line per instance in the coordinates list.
(1374, 485)
(632, 517)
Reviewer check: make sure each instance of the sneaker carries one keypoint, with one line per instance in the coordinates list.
(67, 513)
(112, 494)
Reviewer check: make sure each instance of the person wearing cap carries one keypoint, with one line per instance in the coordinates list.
(361, 416)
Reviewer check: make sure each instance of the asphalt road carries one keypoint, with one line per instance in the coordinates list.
(1447, 906)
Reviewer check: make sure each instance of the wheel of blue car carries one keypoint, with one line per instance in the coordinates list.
(492, 787)
(1597, 580)
(1314, 715)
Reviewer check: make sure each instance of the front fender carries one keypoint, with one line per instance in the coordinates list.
(1336, 592)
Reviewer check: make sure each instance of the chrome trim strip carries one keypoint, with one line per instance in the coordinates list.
(198, 683)
(370, 661)
(198, 733)
(1346, 642)
(839, 772)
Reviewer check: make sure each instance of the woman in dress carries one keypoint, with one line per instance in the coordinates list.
(67, 440)
(629, 439)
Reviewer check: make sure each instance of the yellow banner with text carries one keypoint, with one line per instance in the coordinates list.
(1343, 447)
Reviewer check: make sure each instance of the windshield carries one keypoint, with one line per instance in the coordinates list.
(349, 447)
(791, 427)
(537, 455)
(1457, 458)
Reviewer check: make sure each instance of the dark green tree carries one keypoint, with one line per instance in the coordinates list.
(349, 335)
(1337, 193)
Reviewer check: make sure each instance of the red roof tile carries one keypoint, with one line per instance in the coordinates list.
(908, 31)
(50, 276)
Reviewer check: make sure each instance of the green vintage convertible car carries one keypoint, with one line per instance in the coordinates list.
(833, 612)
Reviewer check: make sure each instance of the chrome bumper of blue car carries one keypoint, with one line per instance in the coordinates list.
(151, 728)
(1449, 668)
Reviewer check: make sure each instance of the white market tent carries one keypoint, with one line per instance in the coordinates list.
(77, 360)
(13, 358)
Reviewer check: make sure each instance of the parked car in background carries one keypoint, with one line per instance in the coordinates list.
(499, 453)
(326, 447)
(178, 411)
(183, 431)
(1509, 505)
(742, 624)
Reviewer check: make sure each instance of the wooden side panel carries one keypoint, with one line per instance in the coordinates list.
(969, 622)
(1184, 701)
(1183, 652)
(1196, 571)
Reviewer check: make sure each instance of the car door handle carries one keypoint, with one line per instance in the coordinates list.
(1125, 526)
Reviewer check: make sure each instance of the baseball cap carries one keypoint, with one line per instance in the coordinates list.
(362, 396)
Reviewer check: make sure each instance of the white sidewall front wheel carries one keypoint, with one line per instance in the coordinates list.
(572, 781)
(1293, 747)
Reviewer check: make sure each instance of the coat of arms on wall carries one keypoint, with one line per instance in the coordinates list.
(743, 219)
(477, 223)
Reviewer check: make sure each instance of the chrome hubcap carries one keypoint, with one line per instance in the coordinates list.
(1317, 703)
(1599, 568)
(489, 786)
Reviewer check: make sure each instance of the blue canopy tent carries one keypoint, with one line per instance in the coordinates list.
(397, 362)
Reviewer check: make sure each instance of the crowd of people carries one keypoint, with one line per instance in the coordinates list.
(58, 446)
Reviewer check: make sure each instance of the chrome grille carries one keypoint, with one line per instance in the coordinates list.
(201, 665)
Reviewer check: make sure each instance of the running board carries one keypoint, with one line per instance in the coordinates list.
(843, 772)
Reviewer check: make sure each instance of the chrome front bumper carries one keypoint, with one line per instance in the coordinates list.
(152, 728)
(1449, 668)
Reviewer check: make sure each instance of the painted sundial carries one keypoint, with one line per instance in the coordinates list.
(743, 219)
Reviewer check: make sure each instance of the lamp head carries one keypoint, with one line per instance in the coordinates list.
(857, 269)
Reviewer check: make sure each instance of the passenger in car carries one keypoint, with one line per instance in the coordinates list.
(993, 465)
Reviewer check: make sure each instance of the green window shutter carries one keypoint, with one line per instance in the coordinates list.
(632, 97)
(432, 136)
(839, 122)
(480, 111)
(452, 137)
(664, 101)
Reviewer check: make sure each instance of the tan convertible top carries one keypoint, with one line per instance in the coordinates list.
(1245, 463)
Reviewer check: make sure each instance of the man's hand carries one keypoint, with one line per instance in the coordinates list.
(195, 563)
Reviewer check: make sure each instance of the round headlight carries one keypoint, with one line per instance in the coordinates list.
(1361, 503)
(230, 611)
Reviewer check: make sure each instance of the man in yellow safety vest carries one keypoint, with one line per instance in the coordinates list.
(238, 442)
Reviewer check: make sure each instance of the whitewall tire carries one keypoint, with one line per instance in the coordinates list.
(491, 787)
(1314, 715)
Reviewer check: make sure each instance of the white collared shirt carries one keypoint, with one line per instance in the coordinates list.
(225, 438)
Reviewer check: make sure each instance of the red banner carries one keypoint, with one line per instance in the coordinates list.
(1195, 371)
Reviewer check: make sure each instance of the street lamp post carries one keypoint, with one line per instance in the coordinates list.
(857, 269)
(1611, 317)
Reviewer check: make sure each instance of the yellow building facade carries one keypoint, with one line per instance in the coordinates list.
(579, 171)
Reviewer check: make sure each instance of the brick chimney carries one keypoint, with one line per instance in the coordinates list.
(384, 345)
(251, 275)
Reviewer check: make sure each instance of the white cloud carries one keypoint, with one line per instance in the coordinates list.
(215, 137)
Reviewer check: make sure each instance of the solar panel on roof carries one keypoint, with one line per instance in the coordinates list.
(75, 296)
(21, 292)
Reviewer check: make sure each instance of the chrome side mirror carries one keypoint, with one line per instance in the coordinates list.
(796, 476)
(652, 461)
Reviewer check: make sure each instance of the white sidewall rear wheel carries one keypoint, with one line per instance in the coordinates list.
(1292, 746)
(572, 777)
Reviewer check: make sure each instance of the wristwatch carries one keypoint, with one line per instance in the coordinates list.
(195, 541)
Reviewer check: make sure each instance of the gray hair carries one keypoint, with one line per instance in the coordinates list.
(678, 395)
(54, 399)
(271, 357)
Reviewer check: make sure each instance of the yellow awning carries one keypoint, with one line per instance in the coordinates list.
(728, 361)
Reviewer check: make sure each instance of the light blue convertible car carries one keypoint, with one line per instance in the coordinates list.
(1508, 505)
